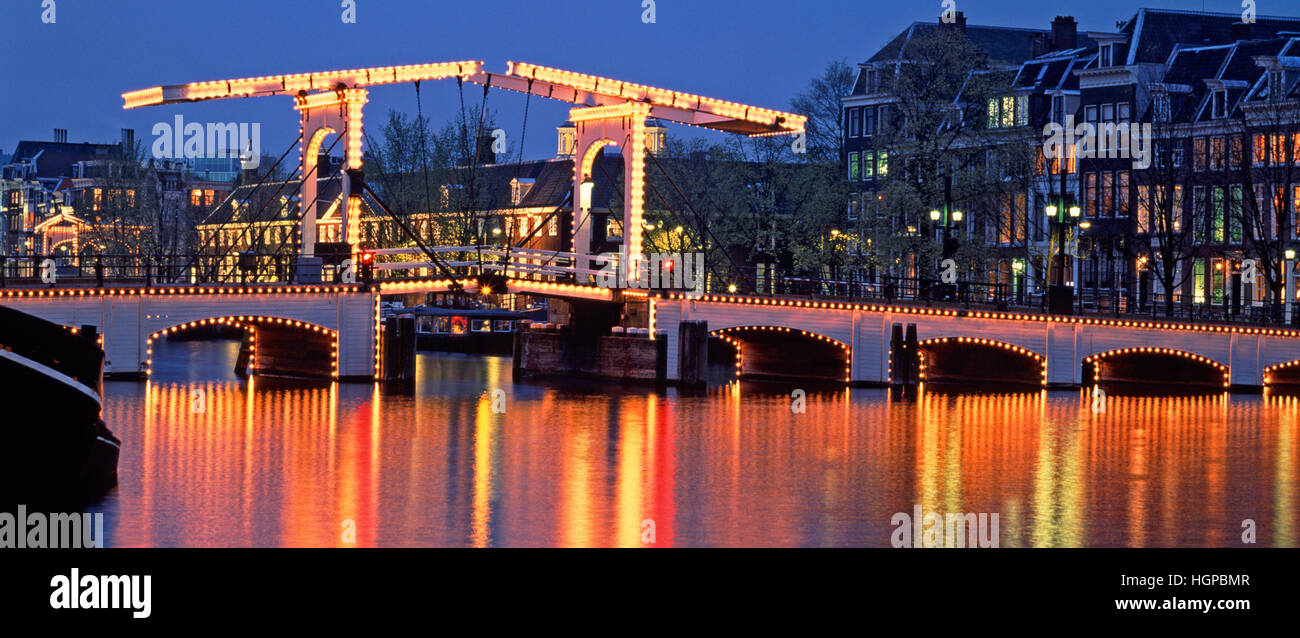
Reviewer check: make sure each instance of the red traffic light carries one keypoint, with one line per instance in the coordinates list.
(367, 258)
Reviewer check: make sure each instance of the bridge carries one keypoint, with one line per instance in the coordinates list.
(845, 341)
(321, 313)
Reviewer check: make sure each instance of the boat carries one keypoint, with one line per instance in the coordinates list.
(468, 330)
(58, 454)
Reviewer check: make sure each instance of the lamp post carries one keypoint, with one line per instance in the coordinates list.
(947, 218)
(1060, 294)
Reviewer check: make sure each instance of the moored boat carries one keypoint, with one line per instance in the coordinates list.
(58, 454)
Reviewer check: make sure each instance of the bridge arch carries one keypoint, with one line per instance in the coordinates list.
(273, 328)
(1153, 365)
(948, 359)
(1286, 373)
(772, 349)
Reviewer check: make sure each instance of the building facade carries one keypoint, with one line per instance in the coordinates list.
(1178, 140)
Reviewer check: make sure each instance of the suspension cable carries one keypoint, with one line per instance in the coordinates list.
(221, 226)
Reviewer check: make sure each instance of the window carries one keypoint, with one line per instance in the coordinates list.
(1177, 155)
(1198, 214)
(1122, 192)
(1106, 55)
(1108, 112)
(1091, 194)
(855, 201)
(1279, 209)
(882, 164)
(1234, 214)
(1216, 215)
(1198, 282)
(1279, 148)
(1218, 153)
(870, 128)
(1090, 113)
(1108, 194)
(1162, 107)
(1200, 153)
(1058, 109)
(1144, 209)
(1123, 112)
(1237, 152)
(553, 226)
(1220, 105)
(1008, 112)
(1021, 208)
(853, 166)
(868, 165)
(1261, 149)
(1295, 210)
(1177, 213)
(1262, 210)
(855, 122)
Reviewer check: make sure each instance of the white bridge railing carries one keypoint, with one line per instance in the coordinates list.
(522, 260)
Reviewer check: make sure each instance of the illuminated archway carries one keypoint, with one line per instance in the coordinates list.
(949, 359)
(772, 349)
(1283, 374)
(1154, 366)
(250, 324)
(581, 219)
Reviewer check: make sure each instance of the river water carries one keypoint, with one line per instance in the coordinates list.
(474, 459)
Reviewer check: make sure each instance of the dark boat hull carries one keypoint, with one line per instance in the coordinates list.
(58, 456)
(56, 453)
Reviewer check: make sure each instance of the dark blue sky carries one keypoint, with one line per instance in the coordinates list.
(70, 74)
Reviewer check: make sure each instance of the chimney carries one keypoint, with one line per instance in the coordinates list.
(1039, 44)
(61, 135)
(1065, 33)
(1241, 31)
(959, 21)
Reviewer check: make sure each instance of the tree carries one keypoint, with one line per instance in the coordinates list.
(820, 103)
(935, 131)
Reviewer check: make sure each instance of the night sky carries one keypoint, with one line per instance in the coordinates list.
(70, 74)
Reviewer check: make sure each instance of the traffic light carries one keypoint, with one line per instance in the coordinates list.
(367, 260)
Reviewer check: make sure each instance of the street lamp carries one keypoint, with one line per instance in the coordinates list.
(946, 218)
(1064, 214)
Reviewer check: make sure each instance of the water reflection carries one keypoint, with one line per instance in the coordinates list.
(212, 460)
